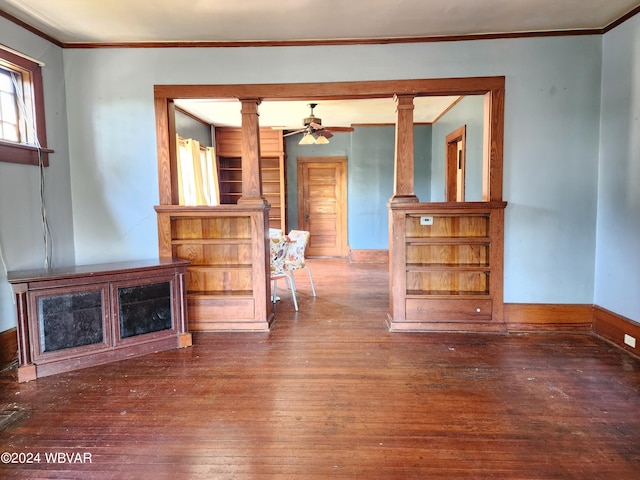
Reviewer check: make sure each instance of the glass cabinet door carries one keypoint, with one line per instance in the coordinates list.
(69, 319)
(144, 309)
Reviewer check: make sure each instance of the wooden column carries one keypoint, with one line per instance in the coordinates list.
(493, 141)
(403, 188)
(250, 149)
(167, 157)
(252, 197)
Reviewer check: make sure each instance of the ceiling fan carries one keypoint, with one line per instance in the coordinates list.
(313, 130)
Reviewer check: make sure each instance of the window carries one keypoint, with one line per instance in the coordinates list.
(22, 127)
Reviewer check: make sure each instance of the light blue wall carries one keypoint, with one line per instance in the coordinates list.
(552, 112)
(618, 231)
(423, 161)
(370, 156)
(370, 186)
(21, 233)
(551, 139)
(468, 112)
(187, 127)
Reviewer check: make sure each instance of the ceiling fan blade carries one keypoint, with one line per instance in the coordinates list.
(324, 132)
(294, 133)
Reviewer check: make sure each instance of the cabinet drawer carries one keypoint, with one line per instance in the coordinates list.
(204, 311)
(449, 310)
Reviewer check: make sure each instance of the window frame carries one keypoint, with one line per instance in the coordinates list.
(25, 153)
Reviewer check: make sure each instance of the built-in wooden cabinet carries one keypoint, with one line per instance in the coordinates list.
(80, 316)
(228, 277)
(272, 170)
(446, 266)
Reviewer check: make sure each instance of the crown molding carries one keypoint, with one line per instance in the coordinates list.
(331, 42)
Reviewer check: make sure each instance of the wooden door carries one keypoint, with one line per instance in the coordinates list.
(322, 204)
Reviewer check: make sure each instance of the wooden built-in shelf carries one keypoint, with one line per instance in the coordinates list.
(272, 170)
(228, 277)
(446, 274)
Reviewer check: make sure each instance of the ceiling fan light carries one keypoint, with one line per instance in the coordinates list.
(322, 140)
(307, 140)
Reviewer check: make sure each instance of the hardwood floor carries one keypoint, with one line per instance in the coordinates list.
(330, 393)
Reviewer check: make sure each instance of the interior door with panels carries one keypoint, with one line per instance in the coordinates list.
(322, 204)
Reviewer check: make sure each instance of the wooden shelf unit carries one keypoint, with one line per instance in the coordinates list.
(447, 273)
(272, 169)
(227, 281)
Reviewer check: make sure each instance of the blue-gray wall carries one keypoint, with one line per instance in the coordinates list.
(21, 232)
(103, 183)
(469, 112)
(370, 156)
(618, 232)
(187, 127)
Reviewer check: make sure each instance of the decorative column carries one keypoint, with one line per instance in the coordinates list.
(253, 201)
(403, 185)
(250, 148)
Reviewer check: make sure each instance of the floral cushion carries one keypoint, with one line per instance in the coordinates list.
(278, 249)
(298, 240)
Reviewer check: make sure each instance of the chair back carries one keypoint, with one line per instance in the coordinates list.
(298, 240)
(278, 251)
(275, 232)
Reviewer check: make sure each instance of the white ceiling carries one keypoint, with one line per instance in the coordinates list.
(166, 21)
(289, 115)
(106, 21)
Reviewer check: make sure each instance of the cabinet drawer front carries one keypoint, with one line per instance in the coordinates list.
(449, 310)
(204, 311)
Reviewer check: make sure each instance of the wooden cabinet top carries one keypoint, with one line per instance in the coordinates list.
(97, 270)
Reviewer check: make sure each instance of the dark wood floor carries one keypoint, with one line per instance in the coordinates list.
(330, 393)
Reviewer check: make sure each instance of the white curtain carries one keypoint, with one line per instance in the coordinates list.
(197, 173)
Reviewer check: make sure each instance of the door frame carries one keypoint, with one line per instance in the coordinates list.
(455, 160)
(342, 160)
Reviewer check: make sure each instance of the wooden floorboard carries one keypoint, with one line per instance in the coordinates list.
(329, 393)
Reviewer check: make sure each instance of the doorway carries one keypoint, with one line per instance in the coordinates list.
(455, 167)
(322, 204)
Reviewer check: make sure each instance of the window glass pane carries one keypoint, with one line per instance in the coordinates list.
(6, 84)
(8, 108)
(8, 132)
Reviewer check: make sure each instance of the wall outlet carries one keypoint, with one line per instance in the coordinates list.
(426, 220)
(629, 340)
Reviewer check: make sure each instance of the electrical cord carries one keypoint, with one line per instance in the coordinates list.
(46, 232)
